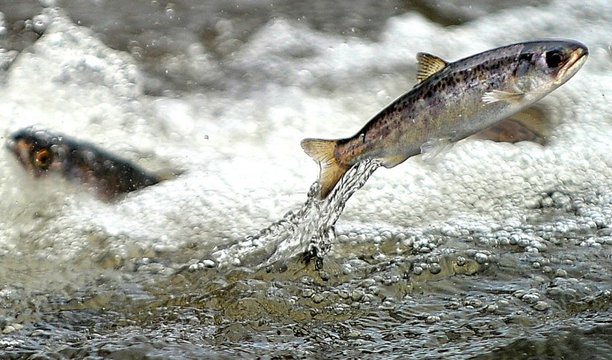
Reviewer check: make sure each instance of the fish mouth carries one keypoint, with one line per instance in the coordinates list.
(20, 149)
(11, 146)
(8, 143)
(574, 63)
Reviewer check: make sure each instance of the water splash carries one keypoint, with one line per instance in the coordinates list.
(309, 229)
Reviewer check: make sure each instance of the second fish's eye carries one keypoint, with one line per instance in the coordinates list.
(42, 159)
(554, 58)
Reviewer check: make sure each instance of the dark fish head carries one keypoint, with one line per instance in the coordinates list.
(36, 150)
(545, 65)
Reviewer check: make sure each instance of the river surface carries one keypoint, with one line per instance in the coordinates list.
(493, 251)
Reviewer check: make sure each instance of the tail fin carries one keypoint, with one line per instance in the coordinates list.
(323, 152)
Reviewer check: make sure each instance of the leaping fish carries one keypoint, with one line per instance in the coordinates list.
(42, 152)
(450, 102)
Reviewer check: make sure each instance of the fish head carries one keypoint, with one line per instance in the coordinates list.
(36, 150)
(545, 65)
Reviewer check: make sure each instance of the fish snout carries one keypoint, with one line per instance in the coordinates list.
(581, 50)
(10, 145)
(576, 54)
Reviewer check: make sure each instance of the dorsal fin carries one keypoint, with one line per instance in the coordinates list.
(428, 65)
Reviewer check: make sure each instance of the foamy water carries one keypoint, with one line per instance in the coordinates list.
(420, 239)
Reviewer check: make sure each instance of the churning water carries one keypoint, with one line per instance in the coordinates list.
(495, 251)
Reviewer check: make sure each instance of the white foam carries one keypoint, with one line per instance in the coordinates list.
(240, 151)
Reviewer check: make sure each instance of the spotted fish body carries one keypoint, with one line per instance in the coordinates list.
(42, 152)
(450, 102)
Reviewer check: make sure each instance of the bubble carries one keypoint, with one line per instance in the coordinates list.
(530, 298)
(461, 260)
(435, 268)
(357, 295)
(481, 258)
(318, 298)
(40, 23)
(560, 273)
(343, 294)
(208, 263)
(307, 293)
(541, 306)
(417, 270)
(431, 319)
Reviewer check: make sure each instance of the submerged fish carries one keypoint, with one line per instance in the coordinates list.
(450, 102)
(41, 152)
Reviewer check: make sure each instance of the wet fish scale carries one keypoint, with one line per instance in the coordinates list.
(450, 102)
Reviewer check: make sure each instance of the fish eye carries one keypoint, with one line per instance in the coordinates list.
(42, 159)
(554, 58)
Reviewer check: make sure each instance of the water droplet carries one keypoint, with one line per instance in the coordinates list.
(310, 228)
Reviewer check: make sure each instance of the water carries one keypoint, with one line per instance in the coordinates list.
(494, 251)
(308, 230)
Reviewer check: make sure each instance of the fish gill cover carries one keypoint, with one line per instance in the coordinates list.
(491, 242)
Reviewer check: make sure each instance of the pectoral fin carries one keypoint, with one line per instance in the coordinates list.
(434, 149)
(530, 124)
(494, 96)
